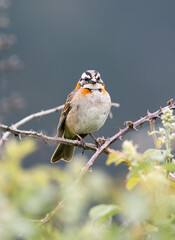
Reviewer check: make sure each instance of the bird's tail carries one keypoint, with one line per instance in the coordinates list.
(63, 152)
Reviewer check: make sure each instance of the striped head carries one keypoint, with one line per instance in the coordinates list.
(91, 79)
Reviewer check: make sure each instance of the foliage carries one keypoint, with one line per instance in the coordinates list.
(98, 207)
(27, 195)
(148, 204)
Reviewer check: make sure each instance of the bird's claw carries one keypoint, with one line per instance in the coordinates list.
(101, 140)
(82, 142)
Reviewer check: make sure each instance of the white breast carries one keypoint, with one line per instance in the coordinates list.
(88, 113)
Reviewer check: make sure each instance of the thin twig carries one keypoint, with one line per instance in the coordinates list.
(52, 213)
(48, 139)
(152, 127)
(29, 118)
(45, 138)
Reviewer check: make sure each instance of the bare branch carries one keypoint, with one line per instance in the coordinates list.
(45, 138)
(52, 213)
(104, 148)
(29, 118)
(122, 132)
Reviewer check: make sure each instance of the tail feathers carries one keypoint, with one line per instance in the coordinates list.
(63, 152)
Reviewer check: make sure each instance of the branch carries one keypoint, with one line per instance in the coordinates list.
(45, 138)
(118, 136)
(29, 118)
(36, 115)
(89, 146)
(48, 139)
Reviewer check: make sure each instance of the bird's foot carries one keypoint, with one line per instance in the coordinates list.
(101, 140)
(82, 142)
(97, 142)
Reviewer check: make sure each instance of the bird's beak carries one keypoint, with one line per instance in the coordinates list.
(93, 80)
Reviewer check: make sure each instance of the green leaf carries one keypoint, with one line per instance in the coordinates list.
(155, 155)
(103, 212)
(169, 167)
(132, 183)
(117, 158)
(145, 167)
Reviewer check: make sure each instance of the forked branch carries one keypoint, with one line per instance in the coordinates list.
(104, 147)
(130, 126)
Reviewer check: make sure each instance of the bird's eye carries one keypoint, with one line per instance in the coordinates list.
(98, 78)
(86, 79)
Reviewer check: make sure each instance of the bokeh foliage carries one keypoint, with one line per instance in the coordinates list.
(98, 207)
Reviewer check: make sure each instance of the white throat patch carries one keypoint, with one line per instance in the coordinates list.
(95, 86)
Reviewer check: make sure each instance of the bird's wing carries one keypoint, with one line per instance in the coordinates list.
(64, 113)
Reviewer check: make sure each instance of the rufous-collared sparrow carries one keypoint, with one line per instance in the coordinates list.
(85, 111)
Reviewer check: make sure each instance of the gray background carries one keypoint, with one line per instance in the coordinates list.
(131, 43)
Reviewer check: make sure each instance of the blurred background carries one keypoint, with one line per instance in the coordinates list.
(45, 46)
(131, 43)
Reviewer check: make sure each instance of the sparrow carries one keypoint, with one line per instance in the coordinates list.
(85, 111)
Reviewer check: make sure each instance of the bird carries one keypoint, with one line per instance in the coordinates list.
(85, 111)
